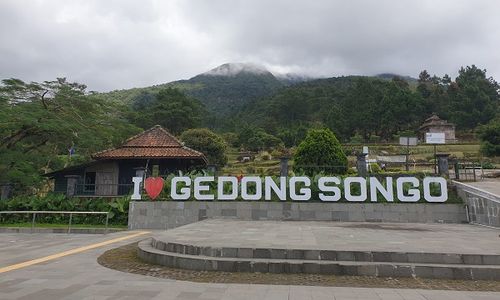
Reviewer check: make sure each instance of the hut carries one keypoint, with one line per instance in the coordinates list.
(435, 124)
(110, 172)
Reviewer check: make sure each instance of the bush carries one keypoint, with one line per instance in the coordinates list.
(356, 139)
(320, 151)
(375, 168)
(374, 138)
(487, 165)
(117, 208)
(266, 156)
(490, 138)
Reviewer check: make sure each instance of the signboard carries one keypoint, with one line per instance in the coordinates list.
(408, 141)
(435, 138)
(297, 188)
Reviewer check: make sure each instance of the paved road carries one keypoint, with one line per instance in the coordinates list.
(79, 276)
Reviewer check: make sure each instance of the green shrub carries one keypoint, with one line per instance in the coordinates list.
(320, 151)
(375, 168)
(117, 208)
(490, 138)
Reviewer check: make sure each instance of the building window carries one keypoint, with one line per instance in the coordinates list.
(89, 182)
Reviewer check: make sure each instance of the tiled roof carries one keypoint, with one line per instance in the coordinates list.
(434, 120)
(152, 143)
(153, 137)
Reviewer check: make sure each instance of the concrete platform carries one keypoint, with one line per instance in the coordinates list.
(491, 185)
(375, 249)
(79, 276)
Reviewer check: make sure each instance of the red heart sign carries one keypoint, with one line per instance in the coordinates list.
(239, 177)
(153, 186)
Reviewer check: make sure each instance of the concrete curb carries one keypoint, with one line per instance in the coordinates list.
(148, 253)
(329, 255)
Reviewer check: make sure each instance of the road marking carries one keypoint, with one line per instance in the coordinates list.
(69, 252)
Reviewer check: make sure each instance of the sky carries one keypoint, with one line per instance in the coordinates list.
(118, 44)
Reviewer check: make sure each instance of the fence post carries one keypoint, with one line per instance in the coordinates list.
(284, 166)
(70, 219)
(33, 222)
(361, 164)
(443, 164)
(107, 218)
(474, 171)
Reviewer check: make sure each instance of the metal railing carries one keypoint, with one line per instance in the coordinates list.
(71, 213)
(467, 171)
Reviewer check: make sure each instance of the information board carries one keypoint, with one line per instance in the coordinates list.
(435, 138)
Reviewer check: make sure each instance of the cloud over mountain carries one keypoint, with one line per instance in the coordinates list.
(119, 44)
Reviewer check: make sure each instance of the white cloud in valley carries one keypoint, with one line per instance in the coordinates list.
(121, 44)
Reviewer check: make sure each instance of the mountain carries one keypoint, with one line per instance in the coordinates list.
(223, 90)
(233, 69)
(229, 87)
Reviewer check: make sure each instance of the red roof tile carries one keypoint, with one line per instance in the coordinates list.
(152, 143)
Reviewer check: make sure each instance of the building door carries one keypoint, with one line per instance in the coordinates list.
(105, 184)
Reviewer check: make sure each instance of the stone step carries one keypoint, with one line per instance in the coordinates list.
(330, 255)
(150, 254)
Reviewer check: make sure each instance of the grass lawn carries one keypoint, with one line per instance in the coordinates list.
(422, 153)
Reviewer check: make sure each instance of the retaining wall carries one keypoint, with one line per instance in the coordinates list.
(171, 214)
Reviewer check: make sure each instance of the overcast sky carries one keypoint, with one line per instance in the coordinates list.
(122, 44)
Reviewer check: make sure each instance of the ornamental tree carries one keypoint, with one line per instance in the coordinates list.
(207, 142)
(320, 151)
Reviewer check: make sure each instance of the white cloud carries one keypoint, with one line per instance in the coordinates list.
(121, 44)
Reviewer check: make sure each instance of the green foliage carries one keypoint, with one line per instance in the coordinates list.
(39, 122)
(169, 108)
(470, 100)
(231, 139)
(375, 168)
(319, 151)
(222, 95)
(356, 139)
(256, 139)
(207, 142)
(366, 106)
(347, 105)
(227, 94)
(490, 138)
(117, 208)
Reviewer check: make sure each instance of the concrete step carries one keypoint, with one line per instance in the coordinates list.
(330, 255)
(150, 254)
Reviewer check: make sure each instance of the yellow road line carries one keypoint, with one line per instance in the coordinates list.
(69, 252)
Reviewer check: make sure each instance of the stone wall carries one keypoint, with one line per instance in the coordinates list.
(171, 214)
(482, 207)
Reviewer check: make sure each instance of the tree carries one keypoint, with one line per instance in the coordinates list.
(320, 151)
(475, 98)
(39, 122)
(490, 138)
(207, 142)
(169, 108)
(256, 139)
